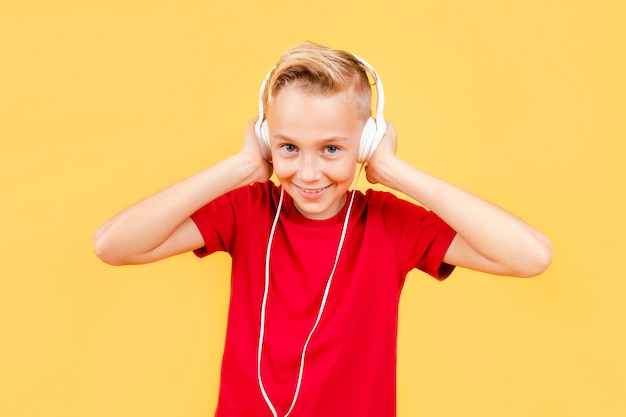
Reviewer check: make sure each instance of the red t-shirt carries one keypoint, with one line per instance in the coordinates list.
(350, 364)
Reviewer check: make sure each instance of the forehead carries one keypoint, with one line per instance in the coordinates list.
(296, 112)
(299, 90)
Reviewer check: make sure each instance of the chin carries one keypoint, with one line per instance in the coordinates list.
(319, 210)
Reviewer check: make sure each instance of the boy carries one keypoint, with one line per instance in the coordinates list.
(295, 344)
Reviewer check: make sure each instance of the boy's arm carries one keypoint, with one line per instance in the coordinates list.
(489, 238)
(159, 226)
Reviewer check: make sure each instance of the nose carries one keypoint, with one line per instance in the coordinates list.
(309, 168)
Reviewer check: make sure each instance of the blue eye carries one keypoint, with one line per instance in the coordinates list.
(332, 149)
(289, 148)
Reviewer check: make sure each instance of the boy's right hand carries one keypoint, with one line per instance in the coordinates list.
(251, 153)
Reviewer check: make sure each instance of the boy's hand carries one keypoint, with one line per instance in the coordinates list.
(384, 156)
(251, 152)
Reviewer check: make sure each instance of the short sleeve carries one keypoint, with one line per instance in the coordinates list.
(219, 220)
(421, 237)
(216, 223)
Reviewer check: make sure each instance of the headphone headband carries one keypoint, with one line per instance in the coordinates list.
(380, 91)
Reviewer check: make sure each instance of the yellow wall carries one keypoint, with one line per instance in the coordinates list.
(103, 102)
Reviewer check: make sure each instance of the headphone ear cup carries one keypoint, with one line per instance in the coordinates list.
(373, 133)
(368, 137)
(263, 137)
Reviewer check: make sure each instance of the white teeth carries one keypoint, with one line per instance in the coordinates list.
(311, 191)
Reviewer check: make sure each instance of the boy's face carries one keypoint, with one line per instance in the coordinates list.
(314, 141)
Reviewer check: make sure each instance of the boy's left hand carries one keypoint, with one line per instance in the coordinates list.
(384, 155)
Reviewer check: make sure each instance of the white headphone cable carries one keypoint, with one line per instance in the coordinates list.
(321, 309)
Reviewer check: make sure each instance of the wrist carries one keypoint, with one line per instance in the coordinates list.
(247, 167)
(386, 168)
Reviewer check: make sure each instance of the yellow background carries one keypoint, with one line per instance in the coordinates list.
(103, 102)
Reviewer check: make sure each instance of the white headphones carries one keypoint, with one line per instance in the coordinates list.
(373, 131)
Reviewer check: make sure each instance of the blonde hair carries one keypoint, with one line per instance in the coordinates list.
(321, 70)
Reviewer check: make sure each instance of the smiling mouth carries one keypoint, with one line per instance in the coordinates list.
(312, 190)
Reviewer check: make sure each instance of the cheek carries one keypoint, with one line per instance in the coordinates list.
(281, 168)
(342, 172)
